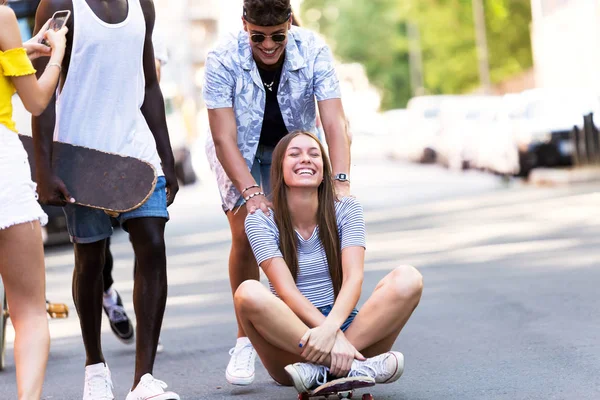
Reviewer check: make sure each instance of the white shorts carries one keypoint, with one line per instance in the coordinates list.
(18, 198)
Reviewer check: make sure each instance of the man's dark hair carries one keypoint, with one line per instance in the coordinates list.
(267, 12)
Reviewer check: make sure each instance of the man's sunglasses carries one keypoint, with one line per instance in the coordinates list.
(259, 37)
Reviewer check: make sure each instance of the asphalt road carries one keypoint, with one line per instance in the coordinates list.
(509, 310)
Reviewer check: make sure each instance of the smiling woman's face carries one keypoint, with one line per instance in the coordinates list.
(303, 163)
(267, 52)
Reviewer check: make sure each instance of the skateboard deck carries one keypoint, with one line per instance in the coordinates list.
(96, 179)
(342, 388)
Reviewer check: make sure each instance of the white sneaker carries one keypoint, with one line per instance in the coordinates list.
(150, 388)
(384, 368)
(306, 376)
(240, 370)
(98, 384)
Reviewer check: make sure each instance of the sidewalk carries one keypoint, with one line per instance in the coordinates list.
(566, 176)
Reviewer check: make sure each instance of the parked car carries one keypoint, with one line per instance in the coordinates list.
(463, 122)
(544, 124)
(497, 150)
(424, 127)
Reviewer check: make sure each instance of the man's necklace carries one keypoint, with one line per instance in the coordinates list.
(269, 86)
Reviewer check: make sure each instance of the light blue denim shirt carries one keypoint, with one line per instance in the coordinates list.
(233, 80)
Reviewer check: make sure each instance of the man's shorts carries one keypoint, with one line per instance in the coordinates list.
(88, 225)
(261, 172)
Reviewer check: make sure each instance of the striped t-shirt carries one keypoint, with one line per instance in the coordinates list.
(314, 280)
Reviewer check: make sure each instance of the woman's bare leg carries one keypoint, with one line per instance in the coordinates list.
(271, 326)
(23, 274)
(380, 320)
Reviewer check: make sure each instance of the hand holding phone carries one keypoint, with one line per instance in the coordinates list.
(57, 22)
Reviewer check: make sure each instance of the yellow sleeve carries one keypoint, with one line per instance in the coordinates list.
(14, 62)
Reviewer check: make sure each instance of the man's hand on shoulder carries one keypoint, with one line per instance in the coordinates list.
(342, 189)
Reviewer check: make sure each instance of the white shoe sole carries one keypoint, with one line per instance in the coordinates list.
(236, 380)
(298, 383)
(162, 396)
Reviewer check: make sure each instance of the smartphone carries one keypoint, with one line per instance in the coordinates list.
(59, 19)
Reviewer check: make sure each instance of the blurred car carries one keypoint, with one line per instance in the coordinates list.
(398, 135)
(544, 123)
(497, 150)
(424, 127)
(24, 8)
(464, 120)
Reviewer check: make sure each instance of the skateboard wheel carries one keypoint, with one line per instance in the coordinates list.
(367, 396)
(347, 395)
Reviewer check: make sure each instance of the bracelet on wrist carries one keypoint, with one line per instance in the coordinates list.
(253, 195)
(250, 187)
(57, 65)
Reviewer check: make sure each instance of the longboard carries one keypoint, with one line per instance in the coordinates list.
(96, 179)
(343, 388)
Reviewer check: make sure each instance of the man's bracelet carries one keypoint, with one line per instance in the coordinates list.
(250, 187)
(254, 195)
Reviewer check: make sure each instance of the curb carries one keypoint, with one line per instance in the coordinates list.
(553, 176)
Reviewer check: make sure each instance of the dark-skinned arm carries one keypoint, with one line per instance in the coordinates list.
(51, 189)
(153, 108)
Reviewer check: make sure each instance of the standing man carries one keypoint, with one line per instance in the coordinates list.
(110, 100)
(261, 85)
(112, 303)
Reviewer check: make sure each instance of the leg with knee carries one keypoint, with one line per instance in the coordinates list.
(242, 264)
(87, 289)
(150, 288)
(23, 274)
(404, 286)
(389, 307)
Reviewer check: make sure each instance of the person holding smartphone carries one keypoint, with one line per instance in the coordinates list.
(260, 85)
(21, 249)
(110, 100)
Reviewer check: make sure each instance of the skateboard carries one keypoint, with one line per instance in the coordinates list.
(57, 310)
(96, 179)
(342, 388)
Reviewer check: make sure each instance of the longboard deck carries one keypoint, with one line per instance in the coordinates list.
(343, 388)
(100, 180)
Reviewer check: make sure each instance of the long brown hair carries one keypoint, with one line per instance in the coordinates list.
(326, 220)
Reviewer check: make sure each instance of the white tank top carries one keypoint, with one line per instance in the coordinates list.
(99, 105)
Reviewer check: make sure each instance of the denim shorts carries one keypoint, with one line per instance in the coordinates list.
(327, 309)
(89, 225)
(261, 172)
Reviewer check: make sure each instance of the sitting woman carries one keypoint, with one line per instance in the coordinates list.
(312, 249)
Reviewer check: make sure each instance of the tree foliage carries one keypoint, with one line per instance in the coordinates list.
(373, 33)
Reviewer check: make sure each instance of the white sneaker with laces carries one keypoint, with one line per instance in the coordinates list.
(150, 388)
(240, 370)
(306, 376)
(98, 383)
(384, 368)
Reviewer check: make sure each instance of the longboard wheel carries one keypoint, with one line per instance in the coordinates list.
(345, 395)
(367, 396)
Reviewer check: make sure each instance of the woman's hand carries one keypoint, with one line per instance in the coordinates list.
(34, 46)
(342, 355)
(36, 50)
(57, 41)
(317, 343)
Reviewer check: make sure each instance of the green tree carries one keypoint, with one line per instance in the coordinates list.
(373, 33)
